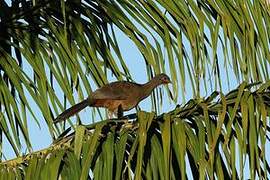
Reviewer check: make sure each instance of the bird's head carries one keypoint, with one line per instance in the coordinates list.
(163, 78)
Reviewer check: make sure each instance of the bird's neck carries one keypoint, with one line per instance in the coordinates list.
(149, 87)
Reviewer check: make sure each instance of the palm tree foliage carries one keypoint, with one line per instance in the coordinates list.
(213, 134)
(51, 50)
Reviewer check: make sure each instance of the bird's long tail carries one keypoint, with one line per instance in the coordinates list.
(72, 110)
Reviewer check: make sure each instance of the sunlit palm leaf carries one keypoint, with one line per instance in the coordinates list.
(142, 148)
(52, 53)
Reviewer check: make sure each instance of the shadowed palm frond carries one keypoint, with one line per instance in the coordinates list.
(219, 136)
(54, 52)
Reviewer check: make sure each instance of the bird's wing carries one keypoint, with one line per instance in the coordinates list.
(120, 90)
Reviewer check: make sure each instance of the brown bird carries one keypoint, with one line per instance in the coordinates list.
(117, 96)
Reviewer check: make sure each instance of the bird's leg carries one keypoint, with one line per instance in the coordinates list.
(120, 112)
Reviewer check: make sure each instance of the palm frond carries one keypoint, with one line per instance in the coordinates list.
(53, 53)
(203, 132)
